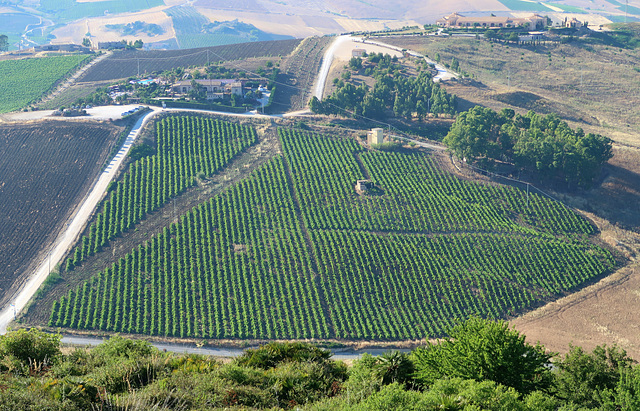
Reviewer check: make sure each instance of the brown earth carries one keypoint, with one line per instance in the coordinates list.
(46, 168)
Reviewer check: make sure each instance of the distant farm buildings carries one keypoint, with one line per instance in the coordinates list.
(357, 52)
(109, 45)
(215, 89)
(456, 20)
(62, 47)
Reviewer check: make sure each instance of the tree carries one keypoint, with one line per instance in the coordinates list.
(138, 44)
(485, 350)
(4, 42)
(198, 92)
(513, 37)
(582, 378)
(86, 42)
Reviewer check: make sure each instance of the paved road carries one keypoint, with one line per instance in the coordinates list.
(338, 353)
(327, 60)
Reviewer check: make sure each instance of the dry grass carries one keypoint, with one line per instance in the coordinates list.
(591, 86)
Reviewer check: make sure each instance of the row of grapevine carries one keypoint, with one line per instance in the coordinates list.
(416, 193)
(187, 146)
(234, 267)
(402, 262)
(402, 287)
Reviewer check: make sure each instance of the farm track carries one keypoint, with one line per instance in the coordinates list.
(237, 170)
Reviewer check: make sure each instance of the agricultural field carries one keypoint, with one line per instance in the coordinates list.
(38, 195)
(298, 73)
(67, 10)
(128, 63)
(187, 147)
(293, 251)
(27, 80)
(195, 30)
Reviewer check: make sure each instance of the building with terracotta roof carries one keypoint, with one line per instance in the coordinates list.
(456, 20)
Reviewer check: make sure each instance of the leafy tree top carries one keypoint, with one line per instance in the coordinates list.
(485, 350)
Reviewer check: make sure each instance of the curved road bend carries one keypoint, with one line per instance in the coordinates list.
(73, 229)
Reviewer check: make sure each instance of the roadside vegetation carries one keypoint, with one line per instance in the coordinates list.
(483, 365)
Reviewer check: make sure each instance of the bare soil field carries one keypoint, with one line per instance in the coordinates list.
(45, 169)
(129, 63)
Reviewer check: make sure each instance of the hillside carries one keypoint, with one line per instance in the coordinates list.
(178, 23)
(267, 246)
(46, 169)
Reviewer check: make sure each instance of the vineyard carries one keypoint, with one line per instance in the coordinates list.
(24, 81)
(186, 147)
(129, 63)
(37, 196)
(293, 251)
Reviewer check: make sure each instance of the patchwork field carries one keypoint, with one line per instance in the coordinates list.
(127, 63)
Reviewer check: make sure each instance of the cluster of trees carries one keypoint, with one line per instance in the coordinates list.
(4, 42)
(482, 365)
(536, 143)
(393, 92)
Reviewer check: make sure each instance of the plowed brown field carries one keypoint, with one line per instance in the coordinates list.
(45, 169)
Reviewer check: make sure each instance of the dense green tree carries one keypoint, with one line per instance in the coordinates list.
(585, 378)
(22, 350)
(4, 42)
(542, 144)
(485, 350)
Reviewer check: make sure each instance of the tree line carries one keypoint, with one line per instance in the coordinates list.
(393, 94)
(540, 144)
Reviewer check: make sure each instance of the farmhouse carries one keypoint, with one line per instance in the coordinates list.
(215, 89)
(375, 136)
(456, 20)
(572, 23)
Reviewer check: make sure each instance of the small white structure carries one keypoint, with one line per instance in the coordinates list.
(375, 136)
(362, 186)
